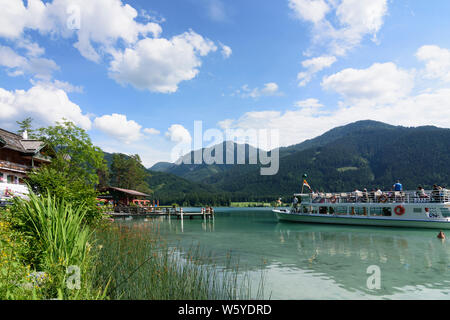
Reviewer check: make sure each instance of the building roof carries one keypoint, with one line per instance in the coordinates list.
(130, 192)
(16, 142)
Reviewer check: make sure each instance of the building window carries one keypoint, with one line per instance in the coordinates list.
(10, 179)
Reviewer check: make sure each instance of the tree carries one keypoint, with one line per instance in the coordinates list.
(128, 172)
(73, 152)
(73, 172)
(26, 125)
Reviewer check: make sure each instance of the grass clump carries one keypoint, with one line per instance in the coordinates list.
(140, 266)
(59, 258)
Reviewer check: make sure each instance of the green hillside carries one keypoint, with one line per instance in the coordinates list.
(169, 188)
(365, 154)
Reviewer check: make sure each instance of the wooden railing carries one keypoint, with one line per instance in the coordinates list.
(14, 166)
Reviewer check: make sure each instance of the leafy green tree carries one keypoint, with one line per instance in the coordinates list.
(128, 172)
(73, 172)
(73, 152)
(26, 125)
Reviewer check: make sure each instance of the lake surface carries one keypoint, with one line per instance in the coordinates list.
(309, 261)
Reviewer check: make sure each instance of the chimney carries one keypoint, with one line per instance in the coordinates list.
(25, 135)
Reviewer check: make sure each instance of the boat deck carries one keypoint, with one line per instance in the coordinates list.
(431, 196)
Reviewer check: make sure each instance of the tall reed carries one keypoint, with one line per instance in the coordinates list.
(139, 265)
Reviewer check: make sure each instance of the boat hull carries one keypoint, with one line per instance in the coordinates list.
(361, 221)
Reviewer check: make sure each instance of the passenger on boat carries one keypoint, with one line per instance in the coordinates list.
(365, 196)
(295, 202)
(356, 195)
(435, 193)
(378, 194)
(398, 186)
(279, 202)
(421, 192)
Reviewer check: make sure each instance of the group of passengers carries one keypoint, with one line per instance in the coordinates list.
(376, 195)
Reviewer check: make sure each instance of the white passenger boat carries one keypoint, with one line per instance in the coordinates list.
(427, 209)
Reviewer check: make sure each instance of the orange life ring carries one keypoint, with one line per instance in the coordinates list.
(399, 210)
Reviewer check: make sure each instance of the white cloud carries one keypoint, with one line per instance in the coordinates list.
(107, 29)
(382, 92)
(226, 51)
(18, 65)
(355, 19)
(381, 83)
(149, 153)
(33, 49)
(151, 131)
(15, 17)
(98, 25)
(437, 62)
(45, 104)
(159, 65)
(297, 125)
(314, 66)
(179, 134)
(269, 89)
(338, 26)
(310, 10)
(118, 127)
(309, 103)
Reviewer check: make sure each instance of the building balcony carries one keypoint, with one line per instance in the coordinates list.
(14, 167)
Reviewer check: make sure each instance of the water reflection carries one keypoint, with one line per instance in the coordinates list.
(318, 261)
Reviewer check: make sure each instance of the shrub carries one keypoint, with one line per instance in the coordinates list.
(60, 239)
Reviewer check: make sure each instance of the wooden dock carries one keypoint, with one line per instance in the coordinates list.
(179, 214)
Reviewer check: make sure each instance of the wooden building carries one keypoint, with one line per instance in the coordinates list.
(122, 196)
(18, 156)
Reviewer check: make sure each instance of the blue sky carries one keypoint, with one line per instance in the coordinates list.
(137, 74)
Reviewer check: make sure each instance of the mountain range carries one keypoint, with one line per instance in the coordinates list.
(364, 154)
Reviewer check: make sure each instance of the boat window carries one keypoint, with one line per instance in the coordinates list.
(323, 210)
(341, 210)
(359, 211)
(387, 212)
(418, 210)
(376, 211)
(445, 212)
(305, 209)
(331, 210)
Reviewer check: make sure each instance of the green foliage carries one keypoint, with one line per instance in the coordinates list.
(13, 273)
(169, 189)
(60, 239)
(127, 172)
(49, 181)
(26, 125)
(74, 171)
(73, 152)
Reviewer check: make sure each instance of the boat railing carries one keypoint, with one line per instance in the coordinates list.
(429, 196)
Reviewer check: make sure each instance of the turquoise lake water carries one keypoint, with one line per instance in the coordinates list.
(309, 261)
